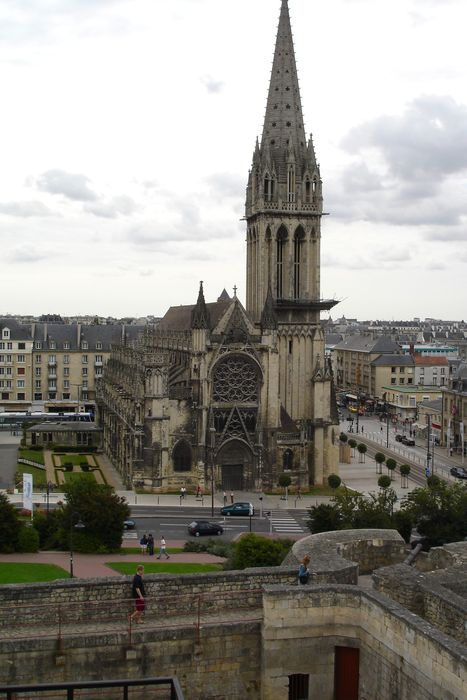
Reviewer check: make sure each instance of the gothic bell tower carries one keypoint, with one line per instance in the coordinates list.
(284, 207)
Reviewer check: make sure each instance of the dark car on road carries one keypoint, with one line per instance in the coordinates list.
(129, 524)
(203, 527)
(408, 441)
(238, 509)
(399, 437)
(459, 472)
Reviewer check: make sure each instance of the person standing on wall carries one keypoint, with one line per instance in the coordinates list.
(303, 571)
(138, 593)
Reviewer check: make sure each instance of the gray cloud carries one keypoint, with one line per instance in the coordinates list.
(415, 179)
(25, 255)
(227, 185)
(71, 185)
(25, 209)
(212, 85)
(111, 209)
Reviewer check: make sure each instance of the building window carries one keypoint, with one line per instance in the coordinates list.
(21, 370)
(66, 346)
(84, 371)
(38, 345)
(2, 358)
(66, 371)
(409, 380)
(66, 396)
(98, 358)
(38, 358)
(20, 397)
(5, 396)
(84, 345)
(37, 383)
(298, 686)
(6, 333)
(181, 457)
(21, 358)
(287, 460)
(281, 242)
(84, 359)
(66, 359)
(98, 345)
(21, 346)
(66, 384)
(85, 384)
(52, 395)
(20, 383)
(298, 247)
(38, 371)
(52, 345)
(402, 370)
(393, 380)
(37, 397)
(401, 380)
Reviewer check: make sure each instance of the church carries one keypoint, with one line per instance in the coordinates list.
(230, 396)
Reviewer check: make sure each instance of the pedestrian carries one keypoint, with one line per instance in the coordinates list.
(231, 497)
(303, 571)
(198, 491)
(144, 544)
(362, 428)
(381, 429)
(138, 593)
(225, 498)
(163, 550)
(150, 545)
(450, 451)
(181, 494)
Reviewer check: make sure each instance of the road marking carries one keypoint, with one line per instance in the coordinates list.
(285, 523)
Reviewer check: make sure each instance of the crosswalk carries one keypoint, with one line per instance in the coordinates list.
(284, 522)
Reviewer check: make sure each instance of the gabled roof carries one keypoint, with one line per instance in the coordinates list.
(386, 359)
(365, 343)
(430, 361)
(178, 318)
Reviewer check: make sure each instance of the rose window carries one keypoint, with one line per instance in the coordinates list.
(235, 381)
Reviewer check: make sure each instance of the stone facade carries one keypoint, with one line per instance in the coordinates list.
(220, 395)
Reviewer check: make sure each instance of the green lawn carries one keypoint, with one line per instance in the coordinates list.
(30, 573)
(39, 476)
(33, 455)
(74, 459)
(163, 567)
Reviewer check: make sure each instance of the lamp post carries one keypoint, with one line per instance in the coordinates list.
(50, 487)
(79, 525)
(212, 432)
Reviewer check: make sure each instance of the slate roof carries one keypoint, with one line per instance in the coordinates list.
(18, 331)
(427, 361)
(178, 318)
(396, 360)
(74, 334)
(365, 343)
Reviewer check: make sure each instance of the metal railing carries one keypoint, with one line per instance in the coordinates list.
(126, 688)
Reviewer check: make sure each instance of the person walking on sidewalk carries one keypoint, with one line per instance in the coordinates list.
(150, 545)
(225, 498)
(163, 550)
(138, 593)
(231, 497)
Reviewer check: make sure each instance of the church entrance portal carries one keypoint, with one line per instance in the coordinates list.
(235, 461)
(232, 477)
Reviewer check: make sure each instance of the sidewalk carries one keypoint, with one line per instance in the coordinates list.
(94, 565)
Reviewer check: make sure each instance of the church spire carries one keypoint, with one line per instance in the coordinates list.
(283, 129)
(200, 313)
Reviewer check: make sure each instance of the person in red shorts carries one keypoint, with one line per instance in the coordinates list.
(137, 592)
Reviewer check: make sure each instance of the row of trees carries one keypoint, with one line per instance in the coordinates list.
(96, 506)
(438, 512)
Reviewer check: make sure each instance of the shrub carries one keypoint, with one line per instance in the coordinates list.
(68, 466)
(384, 481)
(9, 526)
(284, 480)
(28, 539)
(334, 481)
(352, 443)
(343, 437)
(255, 551)
(84, 466)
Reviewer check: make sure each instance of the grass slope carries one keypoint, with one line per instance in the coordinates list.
(30, 573)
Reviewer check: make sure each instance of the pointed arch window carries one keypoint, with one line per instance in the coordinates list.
(268, 188)
(280, 261)
(182, 457)
(268, 239)
(291, 184)
(297, 261)
(307, 190)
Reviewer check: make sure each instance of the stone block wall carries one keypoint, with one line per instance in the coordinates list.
(401, 657)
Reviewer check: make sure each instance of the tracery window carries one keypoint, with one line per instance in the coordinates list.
(235, 380)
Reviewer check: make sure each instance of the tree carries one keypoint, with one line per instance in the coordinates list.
(405, 471)
(9, 526)
(391, 464)
(285, 481)
(100, 510)
(334, 481)
(380, 459)
(384, 481)
(324, 517)
(353, 444)
(439, 512)
(343, 438)
(362, 448)
(252, 550)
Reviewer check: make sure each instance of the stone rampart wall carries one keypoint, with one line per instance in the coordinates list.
(440, 597)
(401, 656)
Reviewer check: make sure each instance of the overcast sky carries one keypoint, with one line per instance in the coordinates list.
(128, 128)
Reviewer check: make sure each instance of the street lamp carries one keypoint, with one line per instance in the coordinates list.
(212, 431)
(50, 487)
(79, 525)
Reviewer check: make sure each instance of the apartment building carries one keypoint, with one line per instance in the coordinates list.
(54, 367)
(352, 360)
(15, 365)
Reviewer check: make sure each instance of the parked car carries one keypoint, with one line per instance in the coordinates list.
(129, 524)
(203, 527)
(459, 472)
(238, 509)
(408, 441)
(399, 437)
